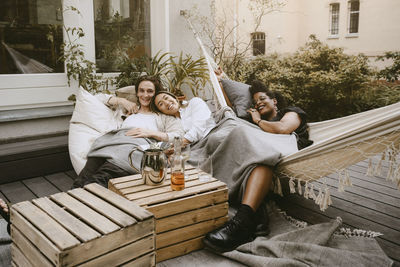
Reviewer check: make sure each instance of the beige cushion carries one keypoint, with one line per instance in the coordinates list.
(127, 92)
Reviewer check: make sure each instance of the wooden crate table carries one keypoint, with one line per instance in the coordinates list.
(89, 226)
(182, 217)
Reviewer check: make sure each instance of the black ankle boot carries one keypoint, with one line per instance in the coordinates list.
(262, 219)
(237, 231)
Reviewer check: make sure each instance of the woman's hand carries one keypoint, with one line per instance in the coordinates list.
(146, 133)
(185, 142)
(255, 116)
(219, 73)
(129, 106)
(140, 132)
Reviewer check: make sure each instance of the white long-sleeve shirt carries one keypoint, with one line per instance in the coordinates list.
(196, 119)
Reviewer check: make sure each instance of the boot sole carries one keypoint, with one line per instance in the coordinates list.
(209, 245)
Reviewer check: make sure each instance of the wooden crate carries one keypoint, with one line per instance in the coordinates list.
(89, 226)
(182, 217)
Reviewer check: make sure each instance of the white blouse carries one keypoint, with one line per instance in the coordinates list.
(147, 121)
(197, 120)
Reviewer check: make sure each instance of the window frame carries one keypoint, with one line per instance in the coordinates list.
(20, 91)
(330, 34)
(262, 39)
(349, 19)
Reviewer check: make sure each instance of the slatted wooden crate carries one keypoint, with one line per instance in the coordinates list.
(89, 226)
(182, 217)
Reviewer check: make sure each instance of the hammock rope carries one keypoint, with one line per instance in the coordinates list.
(338, 144)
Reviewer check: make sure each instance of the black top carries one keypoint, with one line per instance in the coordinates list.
(302, 131)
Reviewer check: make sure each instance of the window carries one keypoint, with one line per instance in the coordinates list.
(258, 39)
(354, 15)
(334, 19)
(121, 26)
(30, 36)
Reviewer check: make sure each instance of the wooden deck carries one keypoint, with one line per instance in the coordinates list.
(372, 203)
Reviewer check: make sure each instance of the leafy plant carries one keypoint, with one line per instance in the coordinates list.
(184, 70)
(77, 66)
(132, 68)
(324, 81)
(391, 73)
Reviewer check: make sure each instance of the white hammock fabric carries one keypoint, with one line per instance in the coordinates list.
(338, 143)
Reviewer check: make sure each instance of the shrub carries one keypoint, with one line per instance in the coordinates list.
(324, 81)
(391, 73)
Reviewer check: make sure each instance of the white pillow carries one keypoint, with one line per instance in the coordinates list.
(91, 118)
(93, 113)
(80, 139)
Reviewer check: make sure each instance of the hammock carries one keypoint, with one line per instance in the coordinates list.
(338, 143)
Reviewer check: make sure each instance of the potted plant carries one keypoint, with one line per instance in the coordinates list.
(184, 70)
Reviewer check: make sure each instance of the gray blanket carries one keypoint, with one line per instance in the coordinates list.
(293, 243)
(115, 147)
(236, 147)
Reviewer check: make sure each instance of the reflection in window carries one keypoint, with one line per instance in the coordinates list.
(354, 15)
(30, 36)
(334, 14)
(258, 39)
(122, 29)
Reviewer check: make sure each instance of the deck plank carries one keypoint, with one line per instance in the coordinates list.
(40, 186)
(60, 180)
(368, 202)
(16, 192)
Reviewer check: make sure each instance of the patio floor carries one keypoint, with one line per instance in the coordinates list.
(372, 203)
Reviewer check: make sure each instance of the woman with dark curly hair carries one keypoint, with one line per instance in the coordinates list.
(271, 115)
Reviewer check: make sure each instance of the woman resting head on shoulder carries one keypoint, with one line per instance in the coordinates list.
(271, 114)
(143, 122)
(195, 115)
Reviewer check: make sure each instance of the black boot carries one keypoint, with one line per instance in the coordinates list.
(237, 231)
(262, 219)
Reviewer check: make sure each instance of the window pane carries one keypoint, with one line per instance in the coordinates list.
(334, 30)
(355, 6)
(353, 23)
(31, 36)
(258, 43)
(121, 25)
(354, 13)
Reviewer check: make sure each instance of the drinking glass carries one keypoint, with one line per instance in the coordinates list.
(205, 169)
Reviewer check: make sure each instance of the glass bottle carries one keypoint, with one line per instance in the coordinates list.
(177, 167)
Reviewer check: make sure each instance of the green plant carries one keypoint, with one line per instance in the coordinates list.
(184, 70)
(390, 73)
(77, 66)
(132, 68)
(324, 81)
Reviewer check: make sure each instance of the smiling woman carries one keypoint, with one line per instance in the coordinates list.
(196, 117)
(271, 114)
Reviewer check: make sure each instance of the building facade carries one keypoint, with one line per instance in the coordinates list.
(370, 27)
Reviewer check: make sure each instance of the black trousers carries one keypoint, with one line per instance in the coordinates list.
(98, 170)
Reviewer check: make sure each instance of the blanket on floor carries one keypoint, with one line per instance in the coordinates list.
(294, 243)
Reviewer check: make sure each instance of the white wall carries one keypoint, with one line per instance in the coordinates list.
(289, 28)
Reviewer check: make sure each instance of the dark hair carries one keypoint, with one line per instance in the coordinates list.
(153, 105)
(258, 86)
(157, 83)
